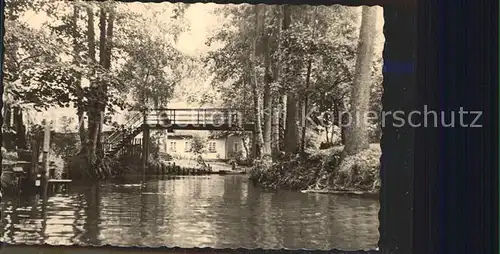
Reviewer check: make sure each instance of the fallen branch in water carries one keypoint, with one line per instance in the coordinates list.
(343, 192)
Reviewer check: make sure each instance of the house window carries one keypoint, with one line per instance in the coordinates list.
(236, 147)
(211, 147)
(173, 147)
(187, 146)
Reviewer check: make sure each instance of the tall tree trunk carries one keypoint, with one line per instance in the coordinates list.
(291, 132)
(109, 39)
(20, 128)
(357, 132)
(275, 125)
(102, 36)
(339, 109)
(92, 109)
(305, 106)
(327, 136)
(268, 100)
(100, 89)
(106, 45)
(300, 109)
(8, 140)
(258, 138)
(244, 119)
(76, 51)
(285, 21)
(343, 134)
(283, 100)
(244, 141)
(7, 115)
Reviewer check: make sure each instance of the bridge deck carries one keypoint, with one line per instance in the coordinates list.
(197, 119)
(211, 119)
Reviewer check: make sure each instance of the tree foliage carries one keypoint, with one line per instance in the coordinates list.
(318, 49)
(51, 65)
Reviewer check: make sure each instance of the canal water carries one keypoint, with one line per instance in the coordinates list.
(197, 211)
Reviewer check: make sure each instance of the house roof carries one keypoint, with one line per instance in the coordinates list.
(191, 136)
(180, 136)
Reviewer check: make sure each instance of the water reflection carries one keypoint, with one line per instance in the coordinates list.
(201, 211)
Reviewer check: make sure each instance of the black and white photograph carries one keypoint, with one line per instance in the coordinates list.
(192, 125)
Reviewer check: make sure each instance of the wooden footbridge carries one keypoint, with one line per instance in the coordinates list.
(214, 119)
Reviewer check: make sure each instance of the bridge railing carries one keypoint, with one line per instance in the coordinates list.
(195, 117)
(133, 122)
(198, 117)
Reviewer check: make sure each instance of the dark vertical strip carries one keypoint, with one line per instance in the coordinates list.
(468, 75)
(495, 121)
(480, 83)
(425, 210)
(441, 136)
(396, 195)
(2, 53)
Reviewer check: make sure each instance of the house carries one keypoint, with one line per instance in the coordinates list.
(216, 147)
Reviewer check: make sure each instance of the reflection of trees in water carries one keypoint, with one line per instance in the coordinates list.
(273, 218)
(9, 220)
(149, 213)
(92, 216)
(326, 222)
(35, 219)
(193, 214)
(253, 203)
(354, 222)
(242, 194)
(142, 213)
(295, 220)
(21, 220)
(231, 206)
(167, 204)
(197, 192)
(119, 214)
(36, 215)
(281, 228)
(219, 212)
(213, 212)
(203, 211)
(43, 234)
(269, 220)
(310, 220)
(290, 219)
(78, 217)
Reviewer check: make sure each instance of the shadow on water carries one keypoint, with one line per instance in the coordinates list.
(197, 211)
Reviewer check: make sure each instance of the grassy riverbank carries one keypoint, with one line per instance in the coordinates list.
(322, 171)
(132, 165)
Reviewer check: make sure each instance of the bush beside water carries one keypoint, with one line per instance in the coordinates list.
(78, 167)
(321, 170)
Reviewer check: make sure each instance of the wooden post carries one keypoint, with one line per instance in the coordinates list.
(254, 145)
(198, 122)
(145, 147)
(34, 163)
(45, 156)
(166, 142)
(204, 117)
(46, 147)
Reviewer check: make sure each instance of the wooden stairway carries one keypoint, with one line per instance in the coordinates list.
(120, 138)
(171, 119)
(121, 144)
